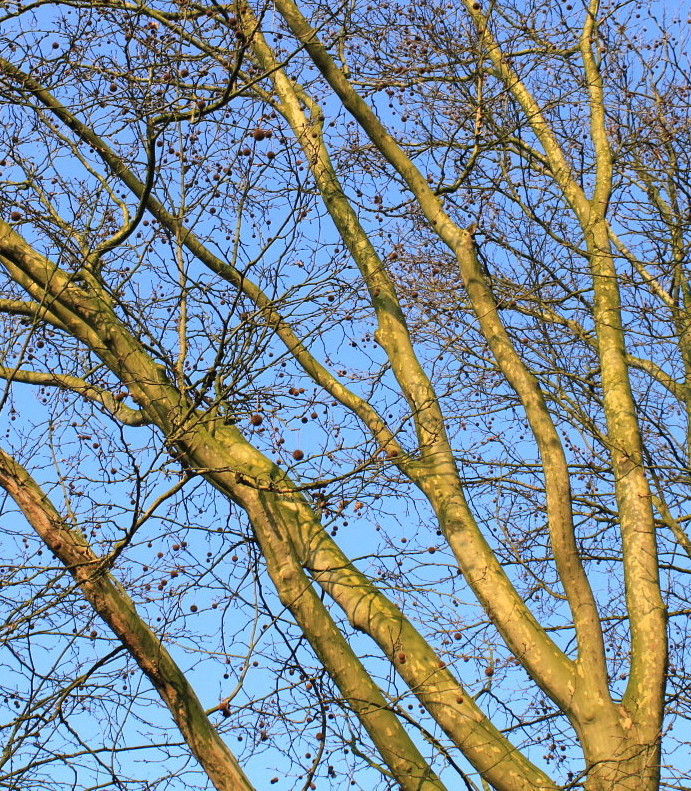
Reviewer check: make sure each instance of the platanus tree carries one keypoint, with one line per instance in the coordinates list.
(347, 376)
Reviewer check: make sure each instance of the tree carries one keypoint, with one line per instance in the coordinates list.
(270, 270)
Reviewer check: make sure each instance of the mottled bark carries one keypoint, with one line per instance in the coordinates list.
(117, 610)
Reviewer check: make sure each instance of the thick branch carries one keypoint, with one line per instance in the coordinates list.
(507, 609)
(435, 685)
(32, 310)
(118, 611)
(295, 591)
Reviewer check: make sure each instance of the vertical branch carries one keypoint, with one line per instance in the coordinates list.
(644, 601)
(180, 264)
(596, 103)
(645, 689)
(182, 308)
(440, 482)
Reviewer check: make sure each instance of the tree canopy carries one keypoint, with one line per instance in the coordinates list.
(346, 385)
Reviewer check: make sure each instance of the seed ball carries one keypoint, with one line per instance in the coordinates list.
(401, 657)
(15, 216)
(256, 420)
(489, 672)
(456, 635)
(459, 699)
(112, 87)
(193, 608)
(298, 455)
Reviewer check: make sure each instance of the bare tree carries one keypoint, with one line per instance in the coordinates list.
(347, 371)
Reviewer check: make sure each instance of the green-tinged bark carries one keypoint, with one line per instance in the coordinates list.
(488, 580)
(230, 463)
(276, 537)
(242, 472)
(528, 395)
(117, 610)
(617, 752)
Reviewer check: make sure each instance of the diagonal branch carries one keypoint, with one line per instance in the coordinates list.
(488, 580)
(118, 611)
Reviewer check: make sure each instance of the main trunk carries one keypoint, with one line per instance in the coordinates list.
(620, 756)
